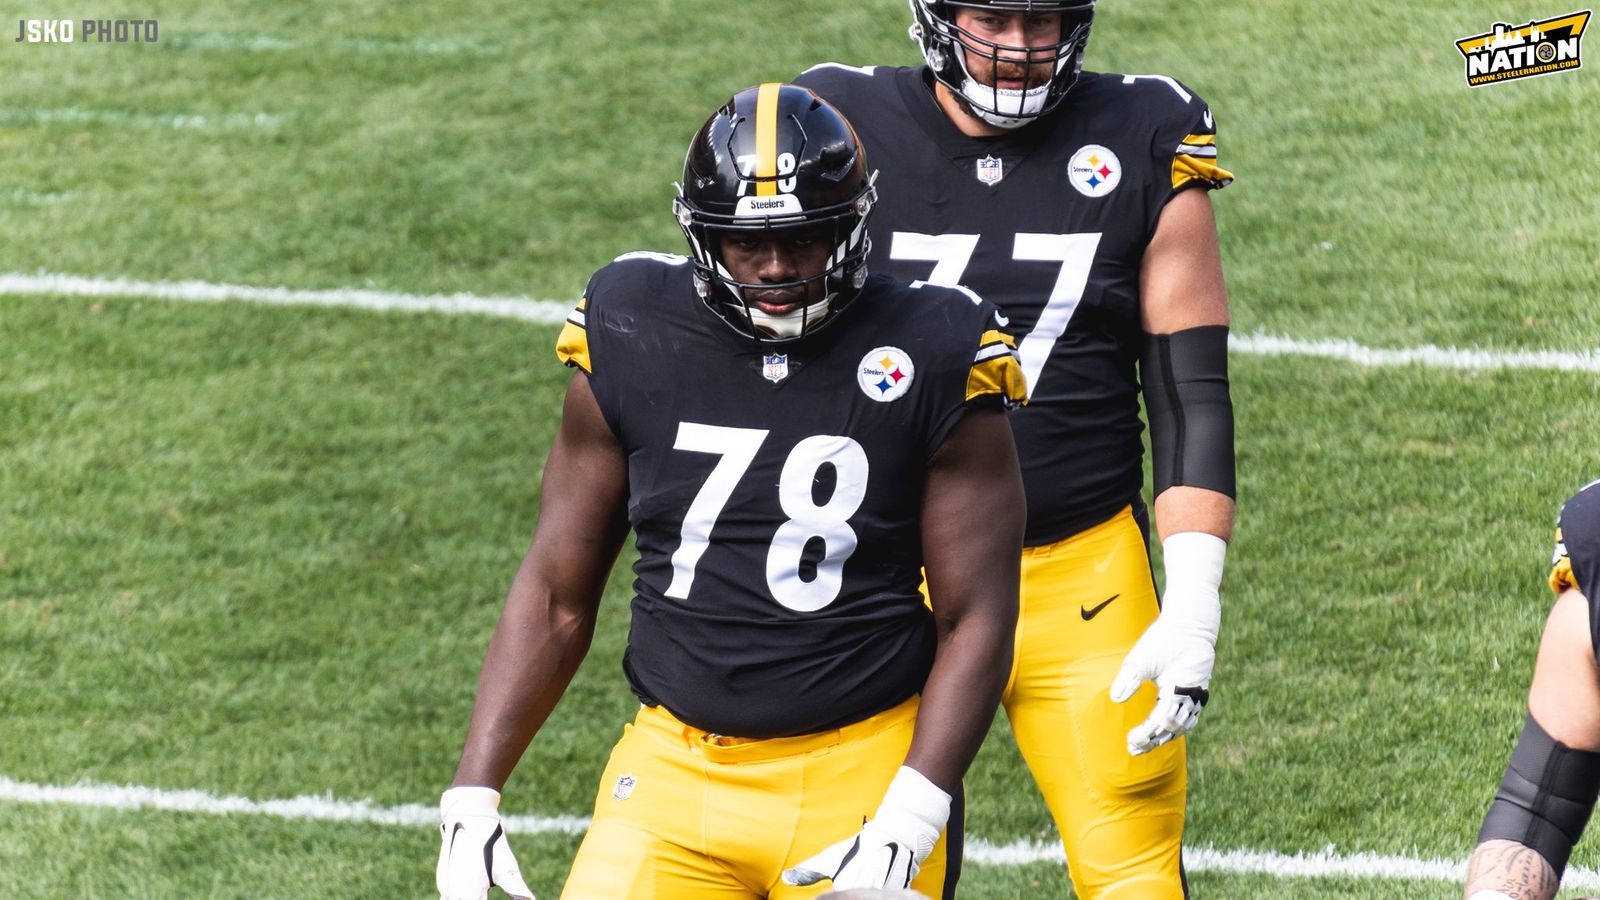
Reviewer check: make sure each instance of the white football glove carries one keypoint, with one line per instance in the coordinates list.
(891, 845)
(473, 853)
(1178, 649)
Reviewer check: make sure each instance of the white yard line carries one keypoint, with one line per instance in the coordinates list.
(320, 809)
(194, 121)
(1324, 864)
(1468, 359)
(267, 43)
(544, 311)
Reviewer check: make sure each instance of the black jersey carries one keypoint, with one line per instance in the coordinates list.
(776, 492)
(1576, 561)
(1049, 223)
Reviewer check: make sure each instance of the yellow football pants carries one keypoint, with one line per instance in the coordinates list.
(685, 814)
(1084, 602)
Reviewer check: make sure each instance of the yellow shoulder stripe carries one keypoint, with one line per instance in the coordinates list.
(1000, 374)
(1186, 168)
(1561, 577)
(995, 335)
(572, 346)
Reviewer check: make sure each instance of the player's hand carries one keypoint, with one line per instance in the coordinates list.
(473, 853)
(1178, 650)
(891, 845)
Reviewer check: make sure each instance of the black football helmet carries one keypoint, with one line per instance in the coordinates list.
(776, 156)
(935, 31)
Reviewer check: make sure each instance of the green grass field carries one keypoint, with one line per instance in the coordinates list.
(258, 551)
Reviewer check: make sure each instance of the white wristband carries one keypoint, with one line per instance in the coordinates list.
(914, 812)
(1489, 895)
(469, 801)
(1194, 558)
(912, 792)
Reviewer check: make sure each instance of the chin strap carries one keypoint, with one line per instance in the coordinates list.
(791, 324)
(1029, 104)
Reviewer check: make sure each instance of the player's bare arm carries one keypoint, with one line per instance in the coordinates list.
(1182, 288)
(1564, 702)
(1507, 870)
(548, 620)
(972, 575)
(543, 633)
(972, 578)
(1184, 372)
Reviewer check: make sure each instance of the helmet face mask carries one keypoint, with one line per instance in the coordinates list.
(950, 50)
(774, 160)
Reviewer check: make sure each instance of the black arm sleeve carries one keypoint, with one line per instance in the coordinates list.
(1545, 798)
(1185, 376)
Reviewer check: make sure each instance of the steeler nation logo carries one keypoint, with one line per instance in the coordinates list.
(1094, 171)
(775, 367)
(1508, 52)
(885, 374)
(990, 170)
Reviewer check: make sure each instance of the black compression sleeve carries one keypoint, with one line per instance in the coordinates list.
(1545, 798)
(1185, 377)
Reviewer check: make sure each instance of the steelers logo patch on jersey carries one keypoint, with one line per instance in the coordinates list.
(885, 374)
(1094, 171)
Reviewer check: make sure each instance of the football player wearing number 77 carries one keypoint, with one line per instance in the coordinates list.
(792, 442)
(1078, 202)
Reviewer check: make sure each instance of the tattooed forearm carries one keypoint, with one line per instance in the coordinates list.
(1512, 869)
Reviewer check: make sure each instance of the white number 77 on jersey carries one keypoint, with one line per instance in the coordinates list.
(950, 254)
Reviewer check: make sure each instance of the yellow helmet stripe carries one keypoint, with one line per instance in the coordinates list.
(767, 139)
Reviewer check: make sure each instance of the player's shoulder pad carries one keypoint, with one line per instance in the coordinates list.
(633, 274)
(1576, 560)
(1183, 134)
(839, 83)
(835, 71)
(629, 281)
(995, 370)
(1156, 95)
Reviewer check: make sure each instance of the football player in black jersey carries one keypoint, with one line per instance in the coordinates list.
(1553, 778)
(1078, 203)
(792, 446)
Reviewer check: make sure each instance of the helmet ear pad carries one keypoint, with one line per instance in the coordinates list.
(776, 157)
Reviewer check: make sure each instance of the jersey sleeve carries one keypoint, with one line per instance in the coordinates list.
(988, 366)
(1576, 560)
(996, 373)
(1186, 144)
(585, 342)
(572, 345)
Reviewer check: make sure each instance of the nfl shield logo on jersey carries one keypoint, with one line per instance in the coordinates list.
(624, 788)
(990, 171)
(775, 367)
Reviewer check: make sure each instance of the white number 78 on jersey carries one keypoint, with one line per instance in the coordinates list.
(736, 449)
